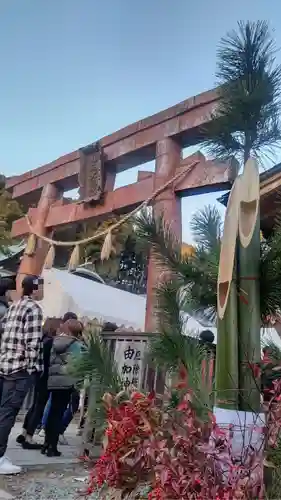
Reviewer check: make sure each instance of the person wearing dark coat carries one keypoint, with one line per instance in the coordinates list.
(60, 383)
(6, 285)
(41, 394)
(75, 398)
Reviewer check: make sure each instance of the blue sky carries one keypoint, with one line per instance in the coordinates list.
(73, 71)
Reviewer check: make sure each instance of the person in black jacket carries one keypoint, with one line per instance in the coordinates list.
(6, 285)
(41, 394)
(34, 414)
(61, 383)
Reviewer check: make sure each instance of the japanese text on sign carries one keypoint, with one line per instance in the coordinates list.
(129, 357)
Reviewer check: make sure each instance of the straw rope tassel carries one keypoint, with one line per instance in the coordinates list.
(31, 245)
(74, 260)
(107, 247)
(50, 259)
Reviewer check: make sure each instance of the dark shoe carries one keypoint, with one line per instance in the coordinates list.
(20, 439)
(53, 452)
(44, 448)
(31, 446)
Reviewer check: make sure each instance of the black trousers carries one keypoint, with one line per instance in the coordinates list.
(13, 390)
(70, 411)
(35, 413)
(59, 402)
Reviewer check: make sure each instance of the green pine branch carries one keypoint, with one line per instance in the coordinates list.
(95, 366)
(173, 350)
(10, 211)
(246, 121)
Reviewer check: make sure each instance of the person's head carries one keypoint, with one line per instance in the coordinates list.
(32, 286)
(207, 336)
(72, 327)
(69, 315)
(51, 326)
(6, 285)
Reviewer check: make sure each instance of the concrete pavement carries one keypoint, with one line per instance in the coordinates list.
(33, 458)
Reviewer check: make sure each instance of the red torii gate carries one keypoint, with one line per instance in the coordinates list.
(160, 137)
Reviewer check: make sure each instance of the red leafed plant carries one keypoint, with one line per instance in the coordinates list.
(131, 426)
(169, 448)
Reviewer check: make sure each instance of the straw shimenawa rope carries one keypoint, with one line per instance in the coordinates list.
(107, 246)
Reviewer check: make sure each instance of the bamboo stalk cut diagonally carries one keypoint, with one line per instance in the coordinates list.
(249, 204)
(228, 248)
(227, 323)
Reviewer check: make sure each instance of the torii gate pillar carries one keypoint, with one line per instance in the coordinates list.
(33, 264)
(168, 156)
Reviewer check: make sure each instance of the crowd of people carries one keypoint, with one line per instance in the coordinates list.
(34, 357)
